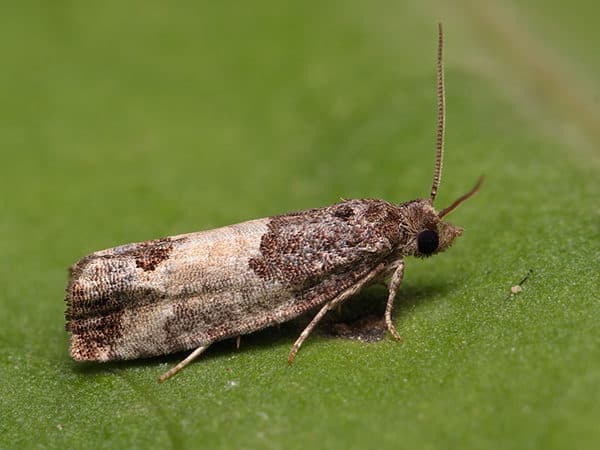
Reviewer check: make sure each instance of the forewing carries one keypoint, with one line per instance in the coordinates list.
(177, 293)
(305, 248)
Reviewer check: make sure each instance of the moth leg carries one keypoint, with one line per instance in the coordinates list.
(329, 306)
(313, 323)
(395, 283)
(173, 370)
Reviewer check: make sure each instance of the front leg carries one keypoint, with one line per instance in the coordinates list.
(395, 283)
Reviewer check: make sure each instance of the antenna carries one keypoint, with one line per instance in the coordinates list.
(441, 98)
(461, 199)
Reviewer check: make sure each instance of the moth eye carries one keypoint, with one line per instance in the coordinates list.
(427, 242)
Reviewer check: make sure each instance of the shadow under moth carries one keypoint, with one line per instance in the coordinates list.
(188, 291)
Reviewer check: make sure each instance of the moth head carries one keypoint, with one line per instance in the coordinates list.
(430, 234)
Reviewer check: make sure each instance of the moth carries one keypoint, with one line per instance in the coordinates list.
(188, 291)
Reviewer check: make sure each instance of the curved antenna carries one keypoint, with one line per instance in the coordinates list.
(441, 98)
(461, 199)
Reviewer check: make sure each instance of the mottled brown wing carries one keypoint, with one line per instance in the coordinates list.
(178, 293)
(305, 249)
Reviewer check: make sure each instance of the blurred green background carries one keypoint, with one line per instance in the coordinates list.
(125, 121)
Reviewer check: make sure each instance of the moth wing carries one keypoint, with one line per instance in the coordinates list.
(178, 293)
(306, 248)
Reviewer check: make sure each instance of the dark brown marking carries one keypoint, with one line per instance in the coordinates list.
(102, 329)
(150, 254)
(343, 211)
(102, 304)
(94, 334)
(303, 249)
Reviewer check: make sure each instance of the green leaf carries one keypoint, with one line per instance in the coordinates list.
(122, 122)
